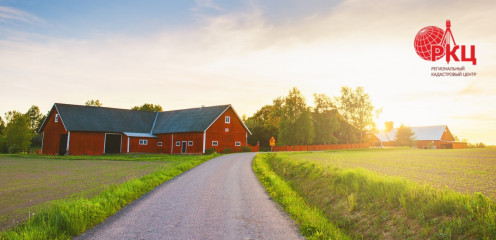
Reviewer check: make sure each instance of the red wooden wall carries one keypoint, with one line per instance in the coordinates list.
(86, 143)
(135, 147)
(51, 134)
(217, 132)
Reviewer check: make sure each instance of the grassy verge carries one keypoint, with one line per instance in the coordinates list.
(27, 185)
(312, 223)
(63, 219)
(368, 205)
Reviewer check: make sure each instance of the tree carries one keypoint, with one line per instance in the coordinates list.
(94, 103)
(325, 119)
(148, 107)
(389, 125)
(35, 117)
(2, 125)
(405, 136)
(17, 133)
(263, 125)
(356, 108)
(35, 120)
(3, 145)
(295, 125)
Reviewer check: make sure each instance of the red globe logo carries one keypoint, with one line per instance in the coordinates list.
(424, 40)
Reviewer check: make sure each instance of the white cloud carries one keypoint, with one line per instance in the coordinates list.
(206, 4)
(13, 14)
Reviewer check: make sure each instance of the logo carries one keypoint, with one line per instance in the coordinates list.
(432, 43)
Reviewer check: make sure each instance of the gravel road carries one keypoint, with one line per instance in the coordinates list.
(220, 199)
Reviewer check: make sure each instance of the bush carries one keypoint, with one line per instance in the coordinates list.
(226, 150)
(210, 151)
(245, 149)
(14, 148)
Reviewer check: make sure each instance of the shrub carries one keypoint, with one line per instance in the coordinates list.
(245, 149)
(14, 148)
(210, 151)
(226, 150)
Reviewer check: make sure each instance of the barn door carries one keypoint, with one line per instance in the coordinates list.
(184, 147)
(112, 143)
(63, 144)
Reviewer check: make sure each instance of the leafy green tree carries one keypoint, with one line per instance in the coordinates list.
(94, 103)
(356, 108)
(2, 125)
(18, 130)
(295, 125)
(325, 120)
(405, 136)
(263, 125)
(3, 145)
(389, 125)
(148, 107)
(35, 117)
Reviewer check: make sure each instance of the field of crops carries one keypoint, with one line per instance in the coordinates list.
(463, 170)
(387, 193)
(30, 182)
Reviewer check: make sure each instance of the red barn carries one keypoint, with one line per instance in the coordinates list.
(87, 130)
(425, 137)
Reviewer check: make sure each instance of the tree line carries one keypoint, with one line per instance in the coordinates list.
(342, 119)
(20, 130)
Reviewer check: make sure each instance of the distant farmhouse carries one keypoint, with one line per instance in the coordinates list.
(426, 137)
(87, 130)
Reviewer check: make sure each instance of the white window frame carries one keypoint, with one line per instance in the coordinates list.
(56, 117)
(143, 142)
(228, 119)
(178, 143)
(227, 129)
(237, 143)
(159, 144)
(190, 143)
(215, 143)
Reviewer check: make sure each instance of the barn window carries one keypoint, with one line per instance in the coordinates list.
(237, 143)
(56, 117)
(190, 143)
(143, 142)
(215, 143)
(227, 129)
(178, 143)
(228, 119)
(159, 144)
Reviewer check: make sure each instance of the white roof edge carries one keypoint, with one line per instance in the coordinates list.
(217, 118)
(241, 120)
(60, 115)
(134, 134)
(155, 121)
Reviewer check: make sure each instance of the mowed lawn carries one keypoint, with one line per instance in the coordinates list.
(463, 170)
(26, 184)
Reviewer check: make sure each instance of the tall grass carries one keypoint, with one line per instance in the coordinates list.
(369, 205)
(312, 223)
(67, 218)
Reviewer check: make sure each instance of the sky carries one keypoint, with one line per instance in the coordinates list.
(183, 54)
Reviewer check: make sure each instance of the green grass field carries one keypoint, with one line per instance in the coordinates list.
(463, 170)
(31, 183)
(392, 194)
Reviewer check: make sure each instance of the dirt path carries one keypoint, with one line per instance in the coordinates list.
(220, 199)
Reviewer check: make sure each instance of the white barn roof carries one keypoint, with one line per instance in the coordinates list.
(421, 133)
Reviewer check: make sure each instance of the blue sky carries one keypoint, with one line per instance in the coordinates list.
(183, 54)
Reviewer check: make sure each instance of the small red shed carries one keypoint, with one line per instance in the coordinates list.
(88, 130)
